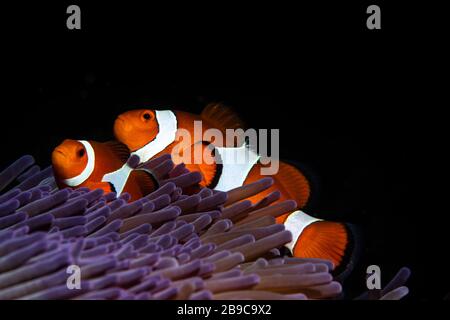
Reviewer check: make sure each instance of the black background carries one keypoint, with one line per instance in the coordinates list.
(359, 107)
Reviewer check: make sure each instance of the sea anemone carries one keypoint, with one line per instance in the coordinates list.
(167, 245)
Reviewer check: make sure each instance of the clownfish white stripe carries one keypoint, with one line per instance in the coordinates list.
(84, 175)
(236, 164)
(296, 222)
(118, 178)
(167, 125)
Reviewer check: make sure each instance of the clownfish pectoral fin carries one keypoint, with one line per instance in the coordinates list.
(221, 117)
(294, 183)
(208, 172)
(146, 181)
(200, 157)
(105, 186)
(119, 149)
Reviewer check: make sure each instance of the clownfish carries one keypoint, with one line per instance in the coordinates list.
(99, 165)
(150, 133)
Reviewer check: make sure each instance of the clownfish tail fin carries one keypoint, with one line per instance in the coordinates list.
(352, 254)
(294, 183)
(221, 117)
(315, 238)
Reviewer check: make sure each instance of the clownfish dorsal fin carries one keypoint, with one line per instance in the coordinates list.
(144, 179)
(221, 117)
(119, 149)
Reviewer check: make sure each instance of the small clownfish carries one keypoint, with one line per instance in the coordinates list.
(149, 133)
(99, 165)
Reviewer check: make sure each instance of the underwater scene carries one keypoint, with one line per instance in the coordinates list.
(211, 151)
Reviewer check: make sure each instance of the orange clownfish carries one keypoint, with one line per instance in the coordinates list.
(149, 133)
(91, 164)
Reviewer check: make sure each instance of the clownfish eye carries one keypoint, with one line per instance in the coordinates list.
(147, 116)
(81, 153)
